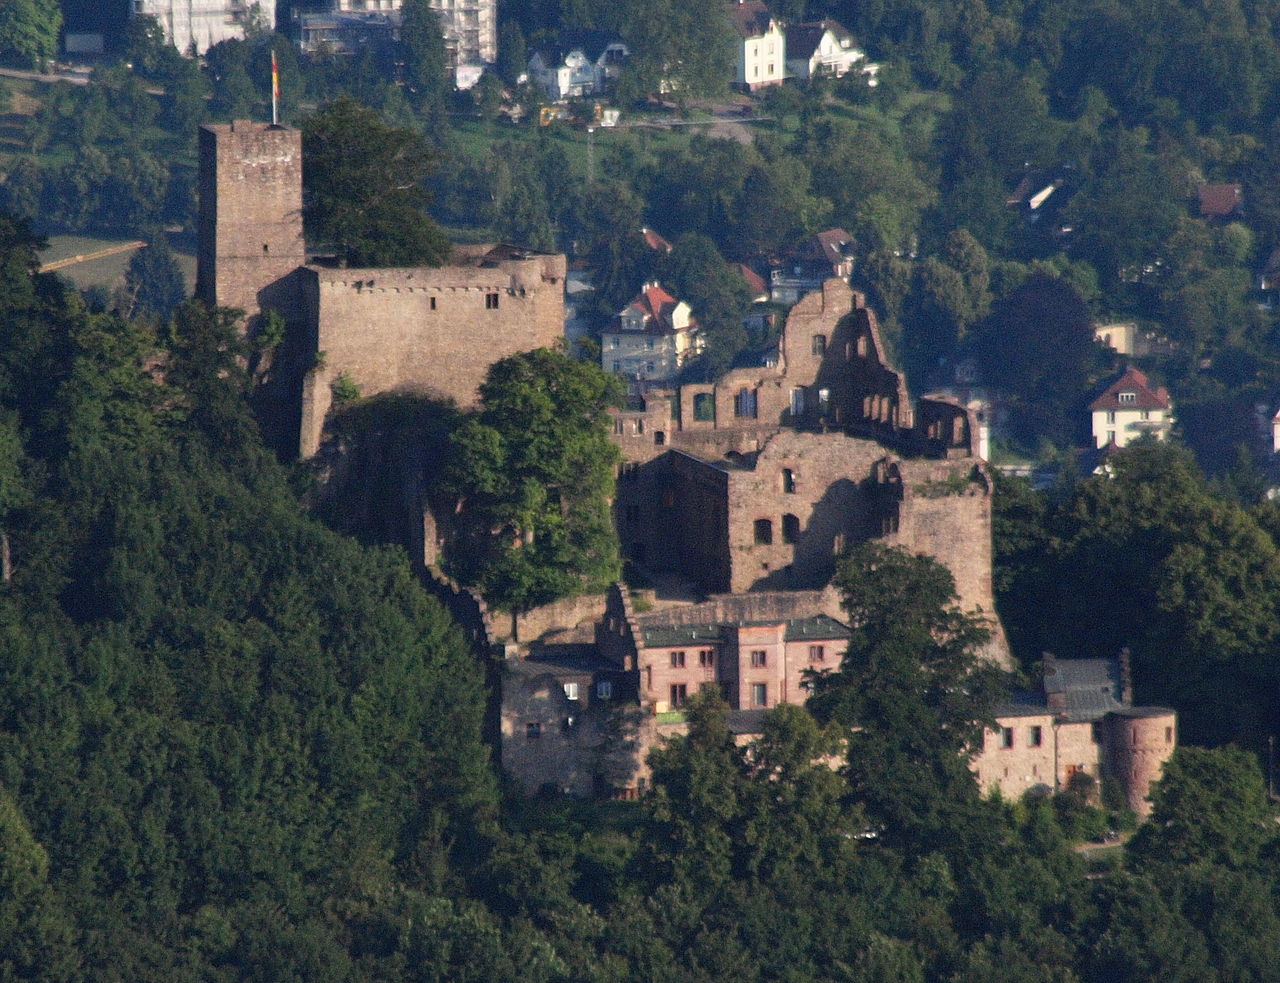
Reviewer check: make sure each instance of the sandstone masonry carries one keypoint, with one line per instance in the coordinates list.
(431, 331)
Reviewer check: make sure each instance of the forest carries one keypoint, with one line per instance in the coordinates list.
(237, 744)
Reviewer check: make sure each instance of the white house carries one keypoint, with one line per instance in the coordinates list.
(824, 47)
(1129, 408)
(651, 337)
(762, 45)
(583, 63)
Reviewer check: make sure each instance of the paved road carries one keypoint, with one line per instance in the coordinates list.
(75, 74)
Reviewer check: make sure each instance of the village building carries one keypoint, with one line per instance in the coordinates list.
(1081, 721)
(762, 46)
(650, 338)
(578, 64)
(1130, 408)
(814, 260)
(202, 23)
(824, 48)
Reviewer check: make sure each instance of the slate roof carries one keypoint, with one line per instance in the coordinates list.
(1091, 687)
(818, 628)
(750, 19)
(664, 636)
(1132, 381)
(803, 39)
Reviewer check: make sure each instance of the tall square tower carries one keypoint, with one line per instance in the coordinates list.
(250, 219)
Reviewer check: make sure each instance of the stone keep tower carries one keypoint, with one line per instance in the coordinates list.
(250, 222)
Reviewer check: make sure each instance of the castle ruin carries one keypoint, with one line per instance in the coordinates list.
(432, 331)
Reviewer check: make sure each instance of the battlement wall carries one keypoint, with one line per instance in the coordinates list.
(433, 331)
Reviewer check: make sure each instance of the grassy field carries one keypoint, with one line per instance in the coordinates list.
(106, 272)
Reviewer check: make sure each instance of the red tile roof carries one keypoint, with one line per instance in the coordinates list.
(1136, 382)
(657, 307)
(655, 241)
(755, 282)
(1219, 200)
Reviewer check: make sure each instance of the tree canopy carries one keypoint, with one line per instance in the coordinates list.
(532, 472)
(364, 191)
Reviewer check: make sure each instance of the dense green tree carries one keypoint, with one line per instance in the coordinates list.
(364, 189)
(683, 50)
(718, 296)
(1210, 806)
(532, 473)
(154, 283)
(426, 64)
(512, 57)
(29, 31)
(1148, 557)
(1037, 346)
(916, 687)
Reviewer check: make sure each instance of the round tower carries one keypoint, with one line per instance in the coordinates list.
(1139, 741)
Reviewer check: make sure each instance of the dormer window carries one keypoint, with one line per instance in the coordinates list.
(1128, 397)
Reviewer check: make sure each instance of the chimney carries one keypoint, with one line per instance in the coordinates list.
(1126, 678)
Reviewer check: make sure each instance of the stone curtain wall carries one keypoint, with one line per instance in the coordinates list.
(430, 331)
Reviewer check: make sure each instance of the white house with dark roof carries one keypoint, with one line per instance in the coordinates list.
(1129, 408)
(651, 337)
(578, 64)
(811, 263)
(762, 45)
(824, 47)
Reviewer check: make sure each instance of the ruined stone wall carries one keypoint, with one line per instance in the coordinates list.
(831, 372)
(671, 514)
(425, 330)
(945, 513)
(758, 606)
(811, 490)
(568, 612)
(250, 218)
(584, 747)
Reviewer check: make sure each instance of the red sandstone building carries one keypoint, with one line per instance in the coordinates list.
(1081, 721)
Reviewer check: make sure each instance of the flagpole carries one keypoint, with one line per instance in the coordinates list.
(275, 90)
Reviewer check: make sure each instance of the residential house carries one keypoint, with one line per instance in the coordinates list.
(1220, 202)
(1080, 721)
(824, 48)
(762, 46)
(651, 337)
(655, 240)
(1041, 195)
(754, 281)
(579, 64)
(1129, 408)
(815, 260)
